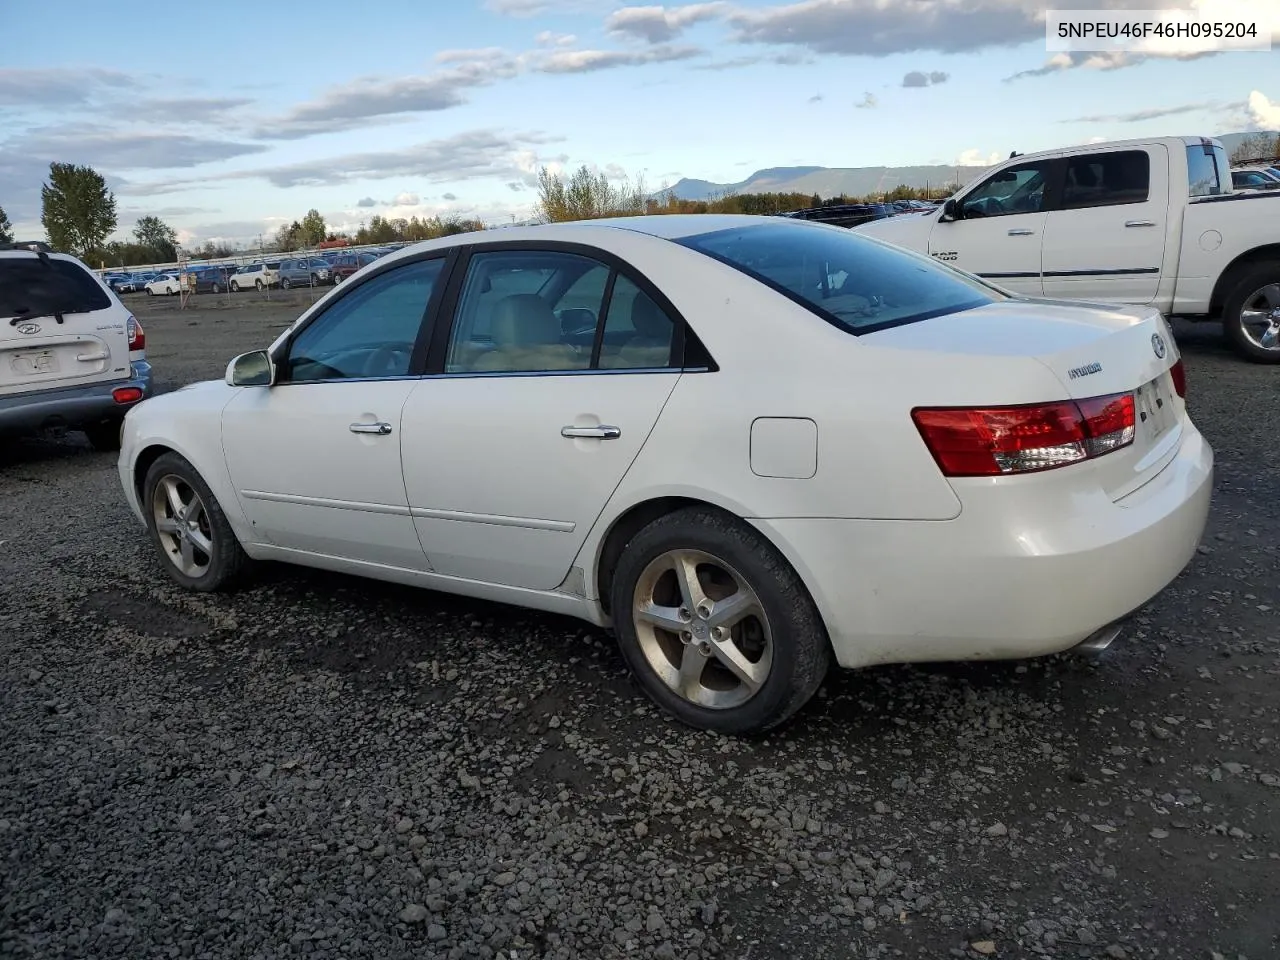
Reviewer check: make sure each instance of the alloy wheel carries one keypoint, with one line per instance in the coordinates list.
(702, 628)
(1260, 317)
(182, 524)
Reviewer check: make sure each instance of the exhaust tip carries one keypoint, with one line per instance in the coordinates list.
(1097, 642)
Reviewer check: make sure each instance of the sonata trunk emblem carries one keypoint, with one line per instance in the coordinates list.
(1157, 344)
(28, 328)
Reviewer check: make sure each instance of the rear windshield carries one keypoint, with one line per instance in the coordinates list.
(847, 279)
(32, 286)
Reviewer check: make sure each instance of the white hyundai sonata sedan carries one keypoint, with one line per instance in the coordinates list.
(753, 446)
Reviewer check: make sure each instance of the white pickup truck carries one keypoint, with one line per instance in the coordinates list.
(1153, 222)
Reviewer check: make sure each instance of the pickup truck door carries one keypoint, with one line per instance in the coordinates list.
(999, 233)
(1105, 239)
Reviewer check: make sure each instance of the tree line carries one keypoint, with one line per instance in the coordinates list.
(587, 194)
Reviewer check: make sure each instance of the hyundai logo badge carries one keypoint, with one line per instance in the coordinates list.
(1157, 344)
(28, 328)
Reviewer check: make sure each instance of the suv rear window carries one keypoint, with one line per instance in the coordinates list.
(849, 280)
(32, 286)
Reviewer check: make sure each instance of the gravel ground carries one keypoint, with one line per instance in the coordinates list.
(325, 766)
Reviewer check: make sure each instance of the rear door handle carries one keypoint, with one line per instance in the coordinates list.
(1022, 233)
(380, 428)
(601, 432)
(1139, 223)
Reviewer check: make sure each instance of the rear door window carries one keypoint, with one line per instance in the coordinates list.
(1107, 179)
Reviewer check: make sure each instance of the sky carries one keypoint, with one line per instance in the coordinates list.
(250, 113)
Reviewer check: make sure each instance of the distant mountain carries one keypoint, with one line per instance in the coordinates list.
(851, 181)
(827, 181)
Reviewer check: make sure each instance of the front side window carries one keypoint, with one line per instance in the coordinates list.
(1107, 179)
(847, 279)
(527, 311)
(370, 332)
(1016, 189)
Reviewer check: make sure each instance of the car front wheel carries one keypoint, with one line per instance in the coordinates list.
(716, 626)
(196, 543)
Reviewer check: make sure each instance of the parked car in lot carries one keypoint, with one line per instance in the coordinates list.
(254, 276)
(72, 357)
(343, 265)
(846, 214)
(1150, 222)
(305, 272)
(1254, 180)
(1147, 222)
(957, 474)
(165, 284)
(213, 279)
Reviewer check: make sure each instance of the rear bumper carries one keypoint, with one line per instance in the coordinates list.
(71, 407)
(1021, 572)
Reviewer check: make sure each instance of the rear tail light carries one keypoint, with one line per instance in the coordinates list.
(996, 441)
(1179, 374)
(137, 337)
(126, 394)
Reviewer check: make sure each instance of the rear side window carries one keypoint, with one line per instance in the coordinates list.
(1205, 166)
(847, 279)
(1107, 179)
(32, 286)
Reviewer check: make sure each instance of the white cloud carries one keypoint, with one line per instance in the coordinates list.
(661, 24)
(976, 158)
(548, 38)
(1263, 111)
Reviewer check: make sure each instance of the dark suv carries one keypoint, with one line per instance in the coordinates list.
(305, 272)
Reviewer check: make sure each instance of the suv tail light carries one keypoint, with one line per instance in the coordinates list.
(1179, 374)
(996, 441)
(137, 337)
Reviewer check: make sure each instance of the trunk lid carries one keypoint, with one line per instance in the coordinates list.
(59, 325)
(1093, 350)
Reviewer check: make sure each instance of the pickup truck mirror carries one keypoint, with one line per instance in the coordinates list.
(951, 211)
(251, 370)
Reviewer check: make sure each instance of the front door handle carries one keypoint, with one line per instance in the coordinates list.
(381, 428)
(1139, 223)
(601, 432)
(1022, 233)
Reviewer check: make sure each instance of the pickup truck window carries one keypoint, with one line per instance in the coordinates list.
(1107, 179)
(1017, 189)
(1205, 169)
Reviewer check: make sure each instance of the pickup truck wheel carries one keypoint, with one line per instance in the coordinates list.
(1251, 313)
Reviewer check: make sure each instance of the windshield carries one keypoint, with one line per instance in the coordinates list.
(33, 286)
(845, 278)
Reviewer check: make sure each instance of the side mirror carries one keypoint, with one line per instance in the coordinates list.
(251, 370)
(951, 211)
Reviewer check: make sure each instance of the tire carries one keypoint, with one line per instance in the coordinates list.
(285, 284)
(104, 436)
(793, 652)
(258, 285)
(225, 560)
(216, 289)
(150, 292)
(235, 287)
(1248, 292)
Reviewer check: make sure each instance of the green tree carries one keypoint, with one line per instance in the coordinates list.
(6, 228)
(159, 236)
(78, 211)
(313, 229)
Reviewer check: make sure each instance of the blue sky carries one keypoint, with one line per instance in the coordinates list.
(249, 117)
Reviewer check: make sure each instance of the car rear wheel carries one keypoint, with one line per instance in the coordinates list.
(716, 626)
(258, 285)
(285, 283)
(104, 435)
(196, 543)
(1251, 313)
(216, 288)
